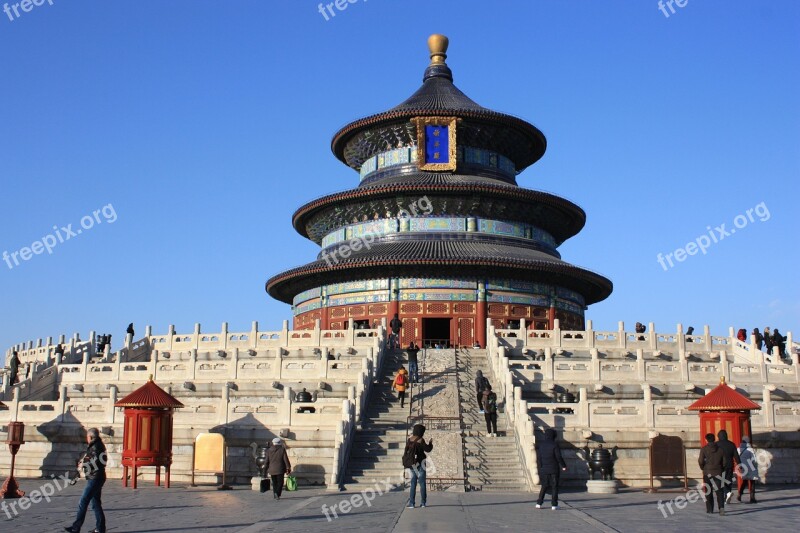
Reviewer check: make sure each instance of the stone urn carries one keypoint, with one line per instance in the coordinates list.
(600, 460)
(565, 397)
(261, 461)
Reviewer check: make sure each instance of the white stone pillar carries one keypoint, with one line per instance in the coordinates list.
(769, 413)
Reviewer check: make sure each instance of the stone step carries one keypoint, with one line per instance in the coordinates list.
(505, 488)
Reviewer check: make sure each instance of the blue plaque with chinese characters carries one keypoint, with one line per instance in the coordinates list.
(436, 143)
(437, 146)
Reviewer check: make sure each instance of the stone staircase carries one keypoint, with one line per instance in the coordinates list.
(377, 449)
(490, 463)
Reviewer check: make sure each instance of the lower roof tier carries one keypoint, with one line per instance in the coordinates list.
(436, 258)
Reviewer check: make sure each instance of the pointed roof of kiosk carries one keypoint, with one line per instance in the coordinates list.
(724, 398)
(149, 395)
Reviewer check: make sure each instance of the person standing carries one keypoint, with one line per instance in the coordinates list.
(489, 405)
(58, 353)
(277, 466)
(759, 338)
(779, 341)
(748, 469)
(400, 383)
(712, 463)
(413, 365)
(550, 464)
(130, 331)
(742, 335)
(13, 367)
(731, 455)
(414, 456)
(480, 386)
(396, 325)
(640, 328)
(93, 465)
(768, 340)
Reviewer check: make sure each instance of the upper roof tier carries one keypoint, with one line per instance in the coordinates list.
(479, 127)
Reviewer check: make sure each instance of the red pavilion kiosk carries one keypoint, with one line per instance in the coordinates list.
(147, 438)
(724, 408)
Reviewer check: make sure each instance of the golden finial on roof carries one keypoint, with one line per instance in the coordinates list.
(437, 44)
(722, 380)
(151, 377)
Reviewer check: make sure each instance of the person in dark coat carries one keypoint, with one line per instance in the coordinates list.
(93, 466)
(395, 325)
(13, 367)
(779, 341)
(550, 464)
(277, 466)
(413, 365)
(713, 464)
(759, 338)
(417, 470)
(768, 340)
(489, 407)
(129, 331)
(640, 328)
(731, 455)
(480, 386)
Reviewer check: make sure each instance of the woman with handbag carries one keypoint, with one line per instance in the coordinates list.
(277, 466)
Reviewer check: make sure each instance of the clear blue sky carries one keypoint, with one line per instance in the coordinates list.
(206, 124)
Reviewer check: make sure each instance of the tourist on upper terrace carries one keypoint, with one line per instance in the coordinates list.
(779, 341)
(400, 383)
(640, 328)
(93, 466)
(58, 353)
(396, 325)
(742, 335)
(689, 331)
(731, 455)
(768, 340)
(130, 331)
(489, 407)
(759, 338)
(550, 464)
(748, 470)
(480, 385)
(415, 460)
(713, 464)
(13, 366)
(413, 365)
(277, 466)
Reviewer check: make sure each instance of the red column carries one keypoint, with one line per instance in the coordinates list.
(480, 316)
(394, 304)
(551, 317)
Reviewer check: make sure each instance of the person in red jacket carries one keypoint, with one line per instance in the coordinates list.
(400, 383)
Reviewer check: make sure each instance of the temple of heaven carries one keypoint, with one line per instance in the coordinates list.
(438, 230)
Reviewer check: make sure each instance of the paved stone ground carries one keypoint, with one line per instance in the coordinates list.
(186, 509)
